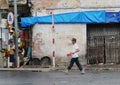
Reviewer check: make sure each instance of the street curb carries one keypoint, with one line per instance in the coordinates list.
(92, 68)
(97, 68)
(27, 69)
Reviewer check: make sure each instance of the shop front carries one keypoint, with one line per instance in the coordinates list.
(103, 43)
(101, 31)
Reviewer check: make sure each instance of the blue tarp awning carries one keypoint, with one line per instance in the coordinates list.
(71, 18)
(113, 17)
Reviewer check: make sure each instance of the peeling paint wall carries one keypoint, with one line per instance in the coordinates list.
(44, 7)
(42, 34)
(74, 3)
(42, 38)
(55, 3)
(100, 3)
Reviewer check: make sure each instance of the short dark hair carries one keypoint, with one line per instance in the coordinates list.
(74, 39)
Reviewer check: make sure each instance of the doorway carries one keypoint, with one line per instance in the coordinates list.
(103, 43)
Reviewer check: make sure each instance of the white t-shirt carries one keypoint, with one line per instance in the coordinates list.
(75, 47)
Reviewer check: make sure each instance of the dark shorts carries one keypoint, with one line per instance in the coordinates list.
(12, 58)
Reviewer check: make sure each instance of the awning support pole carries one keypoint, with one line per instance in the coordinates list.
(53, 40)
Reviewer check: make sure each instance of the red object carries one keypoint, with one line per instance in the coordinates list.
(22, 35)
(53, 53)
(8, 53)
(53, 41)
(69, 54)
(32, 43)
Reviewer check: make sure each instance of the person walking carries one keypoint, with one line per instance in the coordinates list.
(12, 58)
(75, 57)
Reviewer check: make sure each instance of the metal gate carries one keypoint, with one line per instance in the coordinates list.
(103, 43)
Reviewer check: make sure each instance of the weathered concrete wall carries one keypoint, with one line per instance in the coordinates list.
(100, 3)
(42, 38)
(53, 4)
(45, 7)
(42, 34)
(45, 4)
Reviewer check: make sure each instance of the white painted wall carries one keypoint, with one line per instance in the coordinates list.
(42, 38)
(64, 32)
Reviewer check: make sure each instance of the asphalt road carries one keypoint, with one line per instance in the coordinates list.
(58, 78)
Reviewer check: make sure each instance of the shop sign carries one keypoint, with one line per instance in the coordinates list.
(10, 18)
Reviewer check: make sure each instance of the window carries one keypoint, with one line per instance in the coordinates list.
(4, 15)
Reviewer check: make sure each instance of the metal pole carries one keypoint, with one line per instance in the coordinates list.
(53, 40)
(1, 39)
(16, 29)
(1, 31)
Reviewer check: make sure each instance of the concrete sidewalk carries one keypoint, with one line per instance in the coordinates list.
(103, 68)
(90, 68)
(28, 69)
(97, 68)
